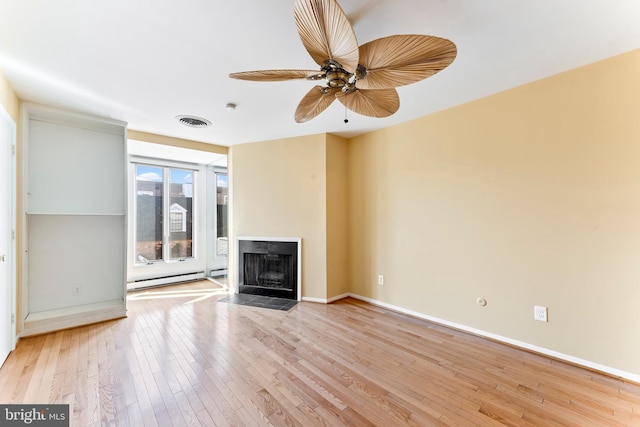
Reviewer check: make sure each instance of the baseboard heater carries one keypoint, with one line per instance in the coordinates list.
(164, 280)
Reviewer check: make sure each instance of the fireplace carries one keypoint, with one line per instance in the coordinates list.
(269, 267)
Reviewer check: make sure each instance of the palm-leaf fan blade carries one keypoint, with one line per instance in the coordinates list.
(371, 103)
(314, 102)
(276, 75)
(403, 59)
(326, 32)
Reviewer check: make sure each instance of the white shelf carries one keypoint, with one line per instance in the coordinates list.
(69, 317)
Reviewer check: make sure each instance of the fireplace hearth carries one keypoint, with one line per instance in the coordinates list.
(269, 267)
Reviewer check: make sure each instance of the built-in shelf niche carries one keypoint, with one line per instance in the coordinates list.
(76, 219)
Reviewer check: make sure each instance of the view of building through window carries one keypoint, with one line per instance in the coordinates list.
(164, 213)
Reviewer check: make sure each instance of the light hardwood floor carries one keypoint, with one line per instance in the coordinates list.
(182, 359)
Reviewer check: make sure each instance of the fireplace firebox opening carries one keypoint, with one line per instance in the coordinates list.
(269, 267)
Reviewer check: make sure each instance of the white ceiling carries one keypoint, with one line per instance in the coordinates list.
(146, 61)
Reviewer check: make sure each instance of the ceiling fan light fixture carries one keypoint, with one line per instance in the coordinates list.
(337, 77)
(193, 121)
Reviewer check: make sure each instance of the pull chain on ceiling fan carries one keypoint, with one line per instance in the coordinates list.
(363, 78)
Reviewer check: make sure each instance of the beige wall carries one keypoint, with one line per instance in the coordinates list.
(337, 217)
(278, 190)
(176, 142)
(8, 99)
(530, 196)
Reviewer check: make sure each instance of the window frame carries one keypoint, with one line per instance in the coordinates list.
(137, 270)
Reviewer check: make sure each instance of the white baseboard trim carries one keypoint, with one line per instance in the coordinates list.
(311, 299)
(326, 300)
(337, 297)
(521, 344)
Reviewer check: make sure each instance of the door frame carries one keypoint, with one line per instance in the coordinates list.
(12, 176)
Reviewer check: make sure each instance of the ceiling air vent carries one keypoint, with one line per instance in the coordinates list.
(193, 121)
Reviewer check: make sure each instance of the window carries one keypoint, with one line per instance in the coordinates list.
(177, 221)
(222, 199)
(163, 213)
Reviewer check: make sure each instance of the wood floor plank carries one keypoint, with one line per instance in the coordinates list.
(39, 371)
(181, 358)
(12, 382)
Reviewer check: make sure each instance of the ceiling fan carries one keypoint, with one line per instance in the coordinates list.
(363, 78)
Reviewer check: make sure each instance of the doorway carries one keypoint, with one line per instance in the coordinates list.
(7, 235)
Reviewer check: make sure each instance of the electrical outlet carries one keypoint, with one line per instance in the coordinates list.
(76, 291)
(540, 313)
(380, 280)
